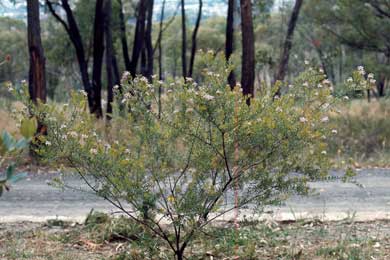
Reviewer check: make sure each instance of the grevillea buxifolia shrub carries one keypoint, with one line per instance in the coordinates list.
(170, 168)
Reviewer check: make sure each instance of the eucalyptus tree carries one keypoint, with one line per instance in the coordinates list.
(285, 55)
(229, 43)
(248, 50)
(37, 71)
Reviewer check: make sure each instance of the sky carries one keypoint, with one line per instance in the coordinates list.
(8, 9)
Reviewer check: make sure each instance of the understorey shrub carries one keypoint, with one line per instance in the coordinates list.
(174, 168)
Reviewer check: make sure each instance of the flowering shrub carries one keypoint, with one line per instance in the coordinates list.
(172, 167)
(360, 80)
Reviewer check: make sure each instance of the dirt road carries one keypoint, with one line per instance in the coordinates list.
(34, 200)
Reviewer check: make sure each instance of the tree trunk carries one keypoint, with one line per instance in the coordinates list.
(111, 66)
(194, 36)
(341, 62)
(183, 39)
(148, 42)
(98, 51)
(37, 70)
(74, 34)
(381, 85)
(281, 73)
(117, 77)
(160, 74)
(179, 255)
(123, 36)
(328, 70)
(143, 62)
(383, 78)
(160, 36)
(139, 36)
(248, 50)
(229, 45)
(37, 77)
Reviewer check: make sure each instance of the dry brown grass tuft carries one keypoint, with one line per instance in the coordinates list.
(363, 133)
(7, 122)
(376, 109)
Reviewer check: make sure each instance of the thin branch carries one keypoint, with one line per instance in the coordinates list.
(59, 19)
(162, 30)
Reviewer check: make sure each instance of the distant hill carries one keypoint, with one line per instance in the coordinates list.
(210, 8)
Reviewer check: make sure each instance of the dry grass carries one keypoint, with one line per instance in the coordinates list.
(7, 122)
(363, 133)
(375, 109)
(34, 241)
(300, 240)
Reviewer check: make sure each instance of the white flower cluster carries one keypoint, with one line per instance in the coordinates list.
(83, 92)
(208, 97)
(327, 82)
(325, 119)
(93, 151)
(9, 86)
(212, 74)
(361, 70)
(325, 106)
(73, 134)
(370, 78)
(125, 76)
(126, 97)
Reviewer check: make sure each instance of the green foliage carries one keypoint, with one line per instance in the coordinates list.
(172, 170)
(13, 44)
(9, 146)
(359, 83)
(349, 33)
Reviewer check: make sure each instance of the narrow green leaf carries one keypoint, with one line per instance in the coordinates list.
(21, 144)
(10, 171)
(8, 141)
(18, 177)
(2, 147)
